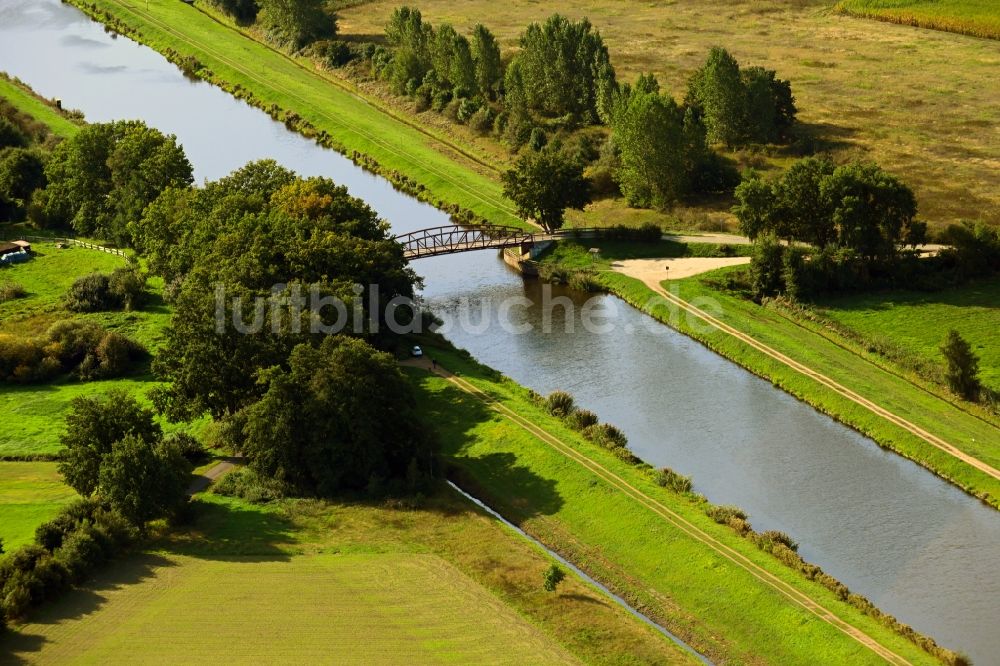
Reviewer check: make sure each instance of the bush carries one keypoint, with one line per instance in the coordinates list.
(10, 291)
(187, 446)
(722, 514)
(560, 403)
(581, 419)
(767, 540)
(249, 485)
(466, 109)
(124, 289)
(668, 478)
(606, 435)
(482, 120)
(552, 577)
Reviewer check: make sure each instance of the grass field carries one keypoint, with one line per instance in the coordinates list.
(979, 18)
(710, 602)
(39, 409)
(919, 321)
(25, 100)
(920, 103)
(30, 494)
(305, 581)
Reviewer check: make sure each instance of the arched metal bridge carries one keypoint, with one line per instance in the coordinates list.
(451, 239)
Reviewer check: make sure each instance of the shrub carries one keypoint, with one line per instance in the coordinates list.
(606, 435)
(668, 478)
(187, 446)
(10, 291)
(767, 540)
(581, 418)
(722, 514)
(623, 454)
(560, 403)
(482, 120)
(466, 109)
(251, 486)
(123, 289)
(538, 139)
(552, 577)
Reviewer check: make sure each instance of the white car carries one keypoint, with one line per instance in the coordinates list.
(417, 351)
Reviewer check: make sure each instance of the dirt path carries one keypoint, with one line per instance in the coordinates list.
(655, 270)
(653, 282)
(214, 473)
(785, 589)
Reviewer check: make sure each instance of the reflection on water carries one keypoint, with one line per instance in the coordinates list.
(916, 546)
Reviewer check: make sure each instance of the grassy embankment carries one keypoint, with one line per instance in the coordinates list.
(42, 110)
(297, 94)
(919, 103)
(656, 548)
(979, 18)
(918, 321)
(969, 429)
(294, 580)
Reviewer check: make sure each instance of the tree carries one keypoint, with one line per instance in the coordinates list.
(741, 106)
(486, 55)
(339, 416)
(103, 178)
(755, 206)
(564, 65)
(552, 577)
(802, 211)
(143, 480)
(719, 91)
(296, 23)
(870, 207)
(767, 267)
(93, 426)
(962, 371)
(649, 132)
(22, 171)
(544, 184)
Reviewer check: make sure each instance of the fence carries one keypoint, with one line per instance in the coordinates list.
(69, 241)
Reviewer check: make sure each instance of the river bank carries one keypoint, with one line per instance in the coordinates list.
(920, 549)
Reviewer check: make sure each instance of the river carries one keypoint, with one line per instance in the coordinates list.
(918, 547)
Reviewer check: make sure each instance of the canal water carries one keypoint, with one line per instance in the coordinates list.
(916, 546)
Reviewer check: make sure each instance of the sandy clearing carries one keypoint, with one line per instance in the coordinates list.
(653, 271)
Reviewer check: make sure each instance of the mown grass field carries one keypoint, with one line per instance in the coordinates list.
(307, 582)
(715, 606)
(275, 78)
(31, 104)
(979, 18)
(919, 321)
(30, 494)
(922, 104)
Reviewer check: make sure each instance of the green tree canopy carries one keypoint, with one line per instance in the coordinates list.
(544, 184)
(93, 426)
(102, 179)
(296, 23)
(143, 480)
(564, 65)
(489, 68)
(341, 416)
(649, 131)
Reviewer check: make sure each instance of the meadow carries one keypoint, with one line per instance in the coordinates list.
(671, 567)
(30, 494)
(921, 103)
(978, 18)
(302, 580)
(919, 321)
(38, 409)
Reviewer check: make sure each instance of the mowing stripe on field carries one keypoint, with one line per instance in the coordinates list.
(678, 521)
(392, 148)
(840, 389)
